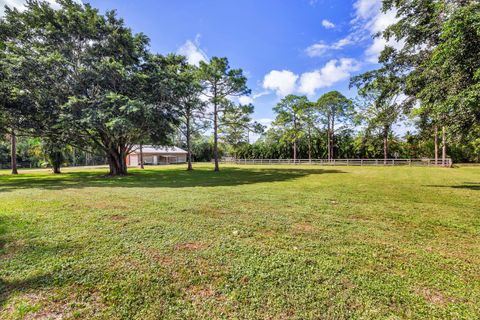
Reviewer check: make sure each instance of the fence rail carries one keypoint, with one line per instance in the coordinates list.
(345, 162)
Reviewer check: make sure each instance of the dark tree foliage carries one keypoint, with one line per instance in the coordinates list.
(90, 78)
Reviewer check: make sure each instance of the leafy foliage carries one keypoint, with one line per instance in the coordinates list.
(221, 82)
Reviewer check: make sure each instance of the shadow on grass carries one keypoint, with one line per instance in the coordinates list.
(23, 256)
(173, 178)
(465, 185)
(25, 285)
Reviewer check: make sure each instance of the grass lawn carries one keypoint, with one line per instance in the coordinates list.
(249, 242)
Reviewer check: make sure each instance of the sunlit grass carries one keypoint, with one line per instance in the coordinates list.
(247, 242)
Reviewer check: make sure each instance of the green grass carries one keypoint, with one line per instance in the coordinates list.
(249, 242)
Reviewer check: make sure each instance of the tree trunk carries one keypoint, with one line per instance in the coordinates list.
(117, 161)
(436, 144)
(13, 154)
(141, 157)
(385, 144)
(309, 147)
(189, 147)
(332, 139)
(294, 151)
(295, 138)
(444, 147)
(328, 139)
(74, 157)
(215, 136)
(56, 169)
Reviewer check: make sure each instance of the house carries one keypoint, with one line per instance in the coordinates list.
(157, 155)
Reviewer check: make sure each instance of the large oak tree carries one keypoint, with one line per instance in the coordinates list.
(91, 79)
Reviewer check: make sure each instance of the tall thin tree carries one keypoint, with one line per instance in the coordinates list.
(221, 82)
(291, 119)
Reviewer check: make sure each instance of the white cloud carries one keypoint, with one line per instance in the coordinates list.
(366, 9)
(317, 49)
(373, 51)
(332, 72)
(191, 50)
(20, 5)
(282, 82)
(328, 24)
(370, 19)
(267, 122)
(320, 48)
(245, 100)
(286, 82)
(250, 99)
(260, 94)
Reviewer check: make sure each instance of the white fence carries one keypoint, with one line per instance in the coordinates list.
(345, 162)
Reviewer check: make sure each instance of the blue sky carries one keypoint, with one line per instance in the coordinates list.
(284, 46)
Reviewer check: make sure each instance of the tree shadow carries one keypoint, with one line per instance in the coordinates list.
(466, 185)
(8, 288)
(24, 255)
(151, 178)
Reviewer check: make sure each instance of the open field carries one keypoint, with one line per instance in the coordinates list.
(266, 242)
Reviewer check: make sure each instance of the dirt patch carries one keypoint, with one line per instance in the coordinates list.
(202, 292)
(117, 217)
(159, 257)
(10, 249)
(46, 305)
(347, 284)
(434, 296)
(190, 246)
(304, 227)
(199, 294)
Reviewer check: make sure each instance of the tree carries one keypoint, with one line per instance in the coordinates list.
(417, 28)
(105, 90)
(438, 58)
(236, 125)
(334, 107)
(54, 153)
(221, 82)
(381, 93)
(311, 118)
(14, 103)
(190, 106)
(290, 117)
(451, 76)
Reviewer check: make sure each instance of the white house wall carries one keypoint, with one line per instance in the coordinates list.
(156, 159)
(134, 160)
